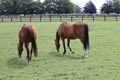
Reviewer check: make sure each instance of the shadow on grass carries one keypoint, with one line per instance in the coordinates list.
(16, 63)
(67, 55)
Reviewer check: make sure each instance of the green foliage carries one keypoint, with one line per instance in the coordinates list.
(6, 7)
(16, 6)
(67, 6)
(77, 9)
(102, 63)
(107, 7)
(90, 8)
(36, 7)
(116, 6)
(48, 6)
(58, 6)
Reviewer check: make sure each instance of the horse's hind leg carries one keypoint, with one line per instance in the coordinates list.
(27, 49)
(31, 52)
(85, 49)
(86, 53)
(68, 45)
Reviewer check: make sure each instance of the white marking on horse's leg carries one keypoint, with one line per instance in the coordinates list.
(72, 51)
(86, 53)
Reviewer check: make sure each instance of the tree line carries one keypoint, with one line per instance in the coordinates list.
(36, 7)
(8, 7)
(110, 6)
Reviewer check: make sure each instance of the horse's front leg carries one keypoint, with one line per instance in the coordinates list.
(27, 50)
(68, 45)
(85, 53)
(20, 48)
(63, 40)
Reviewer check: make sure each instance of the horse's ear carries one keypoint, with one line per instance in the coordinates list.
(74, 24)
(24, 24)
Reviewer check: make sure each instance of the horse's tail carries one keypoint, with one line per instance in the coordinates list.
(34, 46)
(86, 39)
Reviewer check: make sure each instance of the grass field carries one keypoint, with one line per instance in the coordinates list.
(103, 62)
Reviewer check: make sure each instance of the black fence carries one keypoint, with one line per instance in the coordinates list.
(59, 18)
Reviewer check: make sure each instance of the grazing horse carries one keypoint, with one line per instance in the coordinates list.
(26, 35)
(70, 31)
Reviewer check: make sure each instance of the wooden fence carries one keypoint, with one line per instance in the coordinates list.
(59, 18)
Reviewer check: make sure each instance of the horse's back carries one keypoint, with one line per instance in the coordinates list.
(72, 30)
(27, 32)
(66, 30)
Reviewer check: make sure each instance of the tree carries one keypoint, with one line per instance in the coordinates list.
(90, 8)
(48, 6)
(6, 6)
(58, 6)
(36, 8)
(24, 6)
(77, 9)
(16, 6)
(1, 9)
(107, 7)
(116, 6)
(67, 6)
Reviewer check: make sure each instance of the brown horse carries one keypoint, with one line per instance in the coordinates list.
(70, 31)
(26, 35)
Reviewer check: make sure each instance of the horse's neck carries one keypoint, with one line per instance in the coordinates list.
(57, 40)
(57, 37)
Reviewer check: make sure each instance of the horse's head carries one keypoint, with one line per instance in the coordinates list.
(20, 49)
(57, 45)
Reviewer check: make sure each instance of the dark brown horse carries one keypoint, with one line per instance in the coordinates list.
(70, 31)
(26, 35)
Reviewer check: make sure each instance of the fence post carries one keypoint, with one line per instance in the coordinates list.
(30, 18)
(93, 18)
(60, 18)
(104, 18)
(2, 19)
(116, 18)
(40, 18)
(50, 18)
(71, 18)
(20, 18)
(11, 18)
(82, 18)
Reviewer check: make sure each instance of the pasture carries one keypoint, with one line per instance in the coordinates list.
(103, 62)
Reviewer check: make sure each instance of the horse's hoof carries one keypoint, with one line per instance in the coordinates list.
(64, 52)
(72, 52)
(85, 56)
(19, 55)
(29, 60)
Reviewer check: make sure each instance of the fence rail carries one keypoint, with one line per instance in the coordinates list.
(59, 18)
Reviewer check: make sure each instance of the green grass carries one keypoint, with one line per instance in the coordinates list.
(103, 62)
